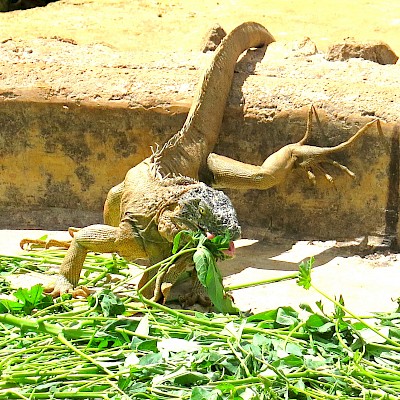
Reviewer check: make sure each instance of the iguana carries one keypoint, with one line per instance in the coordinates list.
(162, 195)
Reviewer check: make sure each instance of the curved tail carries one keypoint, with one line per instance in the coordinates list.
(187, 150)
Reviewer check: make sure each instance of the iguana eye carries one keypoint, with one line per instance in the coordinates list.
(202, 210)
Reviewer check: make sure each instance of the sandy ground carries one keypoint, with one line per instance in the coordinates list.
(368, 284)
(172, 25)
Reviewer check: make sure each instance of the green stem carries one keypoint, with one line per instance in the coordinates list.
(16, 394)
(131, 333)
(262, 282)
(347, 311)
(212, 324)
(86, 357)
(56, 395)
(31, 324)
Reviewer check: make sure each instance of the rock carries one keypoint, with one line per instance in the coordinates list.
(212, 38)
(305, 47)
(378, 52)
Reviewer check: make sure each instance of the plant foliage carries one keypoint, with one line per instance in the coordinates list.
(113, 347)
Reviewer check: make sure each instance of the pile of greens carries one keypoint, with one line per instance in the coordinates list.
(116, 347)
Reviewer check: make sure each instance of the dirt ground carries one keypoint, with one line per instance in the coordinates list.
(173, 25)
(367, 284)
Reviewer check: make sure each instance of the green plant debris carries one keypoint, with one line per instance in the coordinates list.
(115, 347)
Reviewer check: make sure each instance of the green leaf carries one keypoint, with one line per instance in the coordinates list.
(203, 260)
(28, 300)
(294, 349)
(304, 278)
(200, 393)
(269, 316)
(289, 361)
(210, 277)
(339, 312)
(314, 362)
(108, 302)
(10, 306)
(287, 316)
(32, 295)
(151, 359)
(189, 378)
(217, 245)
(318, 323)
(177, 240)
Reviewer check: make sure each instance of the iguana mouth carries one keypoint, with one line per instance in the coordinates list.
(230, 252)
(186, 224)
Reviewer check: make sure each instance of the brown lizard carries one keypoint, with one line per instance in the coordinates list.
(162, 195)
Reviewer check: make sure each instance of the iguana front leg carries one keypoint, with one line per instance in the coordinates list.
(97, 238)
(229, 173)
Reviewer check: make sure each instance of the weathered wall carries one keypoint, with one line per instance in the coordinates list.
(58, 162)
(73, 120)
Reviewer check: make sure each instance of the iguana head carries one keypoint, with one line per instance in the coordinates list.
(208, 210)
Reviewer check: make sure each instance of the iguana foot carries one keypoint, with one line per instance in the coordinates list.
(191, 298)
(311, 158)
(228, 173)
(47, 243)
(63, 286)
(198, 294)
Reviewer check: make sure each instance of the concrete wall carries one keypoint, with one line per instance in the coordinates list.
(63, 144)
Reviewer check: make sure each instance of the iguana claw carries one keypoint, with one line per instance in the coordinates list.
(63, 286)
(64, 244)
(313, 156)
(191, 298)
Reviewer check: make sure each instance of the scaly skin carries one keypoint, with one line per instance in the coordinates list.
(162, 195)
(228, 173)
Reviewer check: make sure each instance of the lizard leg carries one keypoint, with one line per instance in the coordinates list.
(112, 205)
(64, 244)
(156, 285)
(198, 294)
(228, 173)
(98, 238)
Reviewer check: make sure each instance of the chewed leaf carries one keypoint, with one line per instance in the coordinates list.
(304, 278)
(211, 278)
(203, 259)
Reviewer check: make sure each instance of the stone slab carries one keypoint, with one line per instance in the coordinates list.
(74, 119)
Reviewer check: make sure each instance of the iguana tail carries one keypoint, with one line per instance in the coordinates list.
(187, 150)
